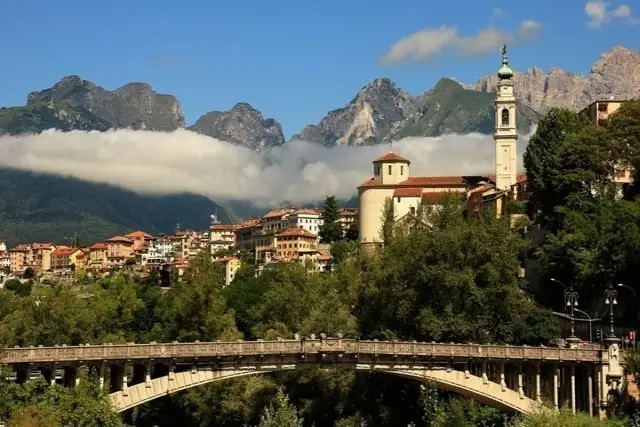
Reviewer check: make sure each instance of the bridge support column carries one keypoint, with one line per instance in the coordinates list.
(520, 383)
(538, 391)
(125, 380)
(485, 379)
(52, 374)
(573, 388)
(590, 389)
(172, 369)
(101, 374)
(555, 387)
(147, 374)
(503, 383)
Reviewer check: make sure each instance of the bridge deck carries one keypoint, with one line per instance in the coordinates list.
(312, 347)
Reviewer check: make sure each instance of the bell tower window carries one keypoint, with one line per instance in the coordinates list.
(505, 117)
(389, 169)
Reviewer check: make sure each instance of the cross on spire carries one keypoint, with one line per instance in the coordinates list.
(505, 58)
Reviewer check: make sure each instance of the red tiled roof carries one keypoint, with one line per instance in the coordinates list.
(306, 211)
(63, 251)
(181, 261)
(275, 213)
(119, 239)
(407, 192)
(296, 232)
(20, 248)
(138, 234)
(249, 223)
(223, 227)
(98, 246)
(38, 246)
(421, 181)
(435, 196)
(391, 157)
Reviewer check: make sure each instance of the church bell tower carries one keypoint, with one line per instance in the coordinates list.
(506, 135)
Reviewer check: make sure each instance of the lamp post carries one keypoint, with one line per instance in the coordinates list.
(610, 299)
(571, 301)
(589, 319)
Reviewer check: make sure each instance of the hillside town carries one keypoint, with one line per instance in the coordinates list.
(281, 235)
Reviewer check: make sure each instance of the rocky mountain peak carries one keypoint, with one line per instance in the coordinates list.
(242, 125)
(615, 74)
(367, 119)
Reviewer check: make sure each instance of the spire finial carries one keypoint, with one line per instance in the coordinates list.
(391, 146)
(505, 72)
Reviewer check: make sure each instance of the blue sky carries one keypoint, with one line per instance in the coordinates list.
(294, 60)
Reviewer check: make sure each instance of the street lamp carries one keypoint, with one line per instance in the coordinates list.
(589, 319)
(571, 301)
(610, 295)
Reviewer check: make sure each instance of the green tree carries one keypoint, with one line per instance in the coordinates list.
(29, 273)
(543, 157)
(15, 285)
(331, 229)
(353, 232)
(280, 413)
(388, 221)
(197, 307)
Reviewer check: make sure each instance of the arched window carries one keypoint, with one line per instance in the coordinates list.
(505, 117)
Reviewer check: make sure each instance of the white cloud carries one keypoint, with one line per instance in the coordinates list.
(299, 171)
(428, 43)
(600, 13)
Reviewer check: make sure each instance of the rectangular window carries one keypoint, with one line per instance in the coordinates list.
(398, 199)
(413, 210)
(389, 169)
(401, 169)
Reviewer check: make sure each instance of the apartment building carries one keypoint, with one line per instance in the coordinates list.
(294, 242)
(98, 256)
(348, 216)
(222, 237)
(61, 258)
(119, 250)
(308, 219)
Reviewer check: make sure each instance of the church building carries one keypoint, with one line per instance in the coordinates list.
(392, 179)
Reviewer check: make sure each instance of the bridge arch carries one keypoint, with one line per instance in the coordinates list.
(461, 382)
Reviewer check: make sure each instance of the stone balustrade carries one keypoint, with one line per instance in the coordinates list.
(310, 347)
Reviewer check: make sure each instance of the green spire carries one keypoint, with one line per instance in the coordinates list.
(505, 72)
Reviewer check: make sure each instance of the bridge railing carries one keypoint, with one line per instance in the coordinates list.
(232, 349)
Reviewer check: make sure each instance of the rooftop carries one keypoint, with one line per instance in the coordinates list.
(296, 232)
(391, 157)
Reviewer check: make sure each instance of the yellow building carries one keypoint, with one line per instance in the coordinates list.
(599, 112)
(231, 266)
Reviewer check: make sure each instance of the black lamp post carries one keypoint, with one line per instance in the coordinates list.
(610, 299)
(571, 301)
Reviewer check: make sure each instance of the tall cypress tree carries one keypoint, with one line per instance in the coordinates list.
(331, 230)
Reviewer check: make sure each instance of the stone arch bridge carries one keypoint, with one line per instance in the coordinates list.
(513, 378)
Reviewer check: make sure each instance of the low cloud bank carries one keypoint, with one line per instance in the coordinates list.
(183, 161)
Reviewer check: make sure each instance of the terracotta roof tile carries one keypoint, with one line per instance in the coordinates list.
(98, 246)
(407, 192)
(421, 181)
(296, 232)
(63, 251)
(223, 227)
(306, 211)
(436, 196)
(119, 239)
(275, 213)
(138, 234)
(391, 157)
